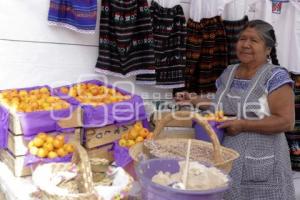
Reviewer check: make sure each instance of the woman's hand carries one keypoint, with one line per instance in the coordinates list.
(233, 127)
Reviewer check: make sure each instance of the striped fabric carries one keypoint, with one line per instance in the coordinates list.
(126, 38)
(169, 30)
(80, 16)
(206, 54)
(232, 30)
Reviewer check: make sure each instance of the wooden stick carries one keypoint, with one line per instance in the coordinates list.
(187, 160)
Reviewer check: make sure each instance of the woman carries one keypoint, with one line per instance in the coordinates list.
(260, 95)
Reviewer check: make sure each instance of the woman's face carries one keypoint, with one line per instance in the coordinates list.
(251, 48)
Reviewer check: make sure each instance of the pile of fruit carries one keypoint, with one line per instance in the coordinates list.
(30, 101)
(135, 135)
(218, 116)
(48, 146)
(92, 94)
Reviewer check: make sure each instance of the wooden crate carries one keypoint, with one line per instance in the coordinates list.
(15, 164)
(102, 152)
(95, 137)
(18, 146)
(73, 121)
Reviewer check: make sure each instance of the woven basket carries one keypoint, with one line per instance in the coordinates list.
(84, 178)
(205, 152)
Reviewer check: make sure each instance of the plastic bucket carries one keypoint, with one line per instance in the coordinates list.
(201, 134)
(152, 191)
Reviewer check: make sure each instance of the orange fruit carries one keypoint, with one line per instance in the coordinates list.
(60, 137)
(139, 139)
(43, 136)
(130, 143)
(38, 142)
(124, 136)
(138, 126)
(144, 132)
(52, 154)
(64, 90)
(149, 136)
(61, 152)
(132, 134)
(42, 153)
(48, 146)
(33, 150)
(49, 139)
(30, 144)
(69, 148)
(122, 142)
(44, 90)
(58, 143)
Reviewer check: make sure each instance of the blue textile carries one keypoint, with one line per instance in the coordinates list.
(78, 15)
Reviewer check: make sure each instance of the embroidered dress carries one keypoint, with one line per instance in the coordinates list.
(78, 15)
(126, 38)
(206, 54)
(232, 31)
(169, 30)
(263, 170)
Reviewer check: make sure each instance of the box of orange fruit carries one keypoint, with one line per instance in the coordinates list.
(34, 109)
(102, 104)
(135, 134)
(44, 147)
(19, 146)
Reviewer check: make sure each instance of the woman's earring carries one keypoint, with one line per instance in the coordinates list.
(268, 58)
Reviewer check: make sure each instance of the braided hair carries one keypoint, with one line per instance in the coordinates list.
(267, 33)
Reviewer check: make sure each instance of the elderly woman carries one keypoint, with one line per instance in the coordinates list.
(260, 95)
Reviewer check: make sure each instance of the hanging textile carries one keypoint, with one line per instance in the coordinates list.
(200, 9)
(206, 54)
(126, 39)
(80, 16)
(232, 31)
(169, 30)
(287, 30)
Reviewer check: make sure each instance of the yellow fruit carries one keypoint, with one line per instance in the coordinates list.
(150, 136)
(130, 143)
(38, 142)
(122, 142)
(44, 90)
(138, 126)
(42, 153)
(58, 143)
(132, 134)
(144, 132)
(30, 144)
(49, 139)
(124, 136)
(139, 139)
(69, 148)
(48, 146)
(61, 152)
(64, 90)
(43, 136)
(60, 137)
(33, 150)
(52, 154)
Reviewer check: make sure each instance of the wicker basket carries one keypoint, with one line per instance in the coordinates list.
(84, 178)
(205, 152)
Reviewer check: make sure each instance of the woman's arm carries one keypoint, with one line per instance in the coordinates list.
(282, 118)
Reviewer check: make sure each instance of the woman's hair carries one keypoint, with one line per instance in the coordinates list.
(267, 33)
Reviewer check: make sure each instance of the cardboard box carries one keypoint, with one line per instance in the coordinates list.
(15, 164)
(95, 137)
(18, 145)
(104, 151)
